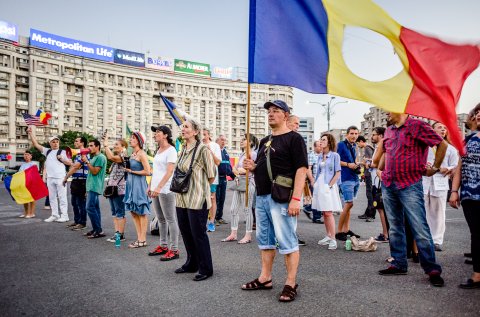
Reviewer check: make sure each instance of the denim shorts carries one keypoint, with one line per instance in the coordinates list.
(349, 190)
(117, 206)
(213, 188)
(275, 225)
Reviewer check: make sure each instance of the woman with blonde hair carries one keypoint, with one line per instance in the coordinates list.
(117, 179)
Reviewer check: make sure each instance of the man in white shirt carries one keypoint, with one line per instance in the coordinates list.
(55, 162)
(217, 158)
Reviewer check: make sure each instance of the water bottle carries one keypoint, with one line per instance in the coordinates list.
(117, 240)
(348, 244)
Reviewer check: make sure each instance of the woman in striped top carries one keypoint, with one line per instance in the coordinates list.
(192, 206)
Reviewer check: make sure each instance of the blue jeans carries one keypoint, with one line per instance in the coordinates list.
(117, 206)
(349, 190)
(79, 204)
(93, 210)
(274, 224)
(221, 193)
(407, 203)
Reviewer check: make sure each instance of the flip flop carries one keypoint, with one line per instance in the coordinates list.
(21, 216)
(28, 217)
(229, 240)
(244, 241)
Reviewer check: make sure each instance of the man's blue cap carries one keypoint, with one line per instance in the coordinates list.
(277, 103)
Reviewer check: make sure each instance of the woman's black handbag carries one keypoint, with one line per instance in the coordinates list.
(181, 180)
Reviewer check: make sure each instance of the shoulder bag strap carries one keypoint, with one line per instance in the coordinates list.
(121, 177)
(193, 156)
(269, 166)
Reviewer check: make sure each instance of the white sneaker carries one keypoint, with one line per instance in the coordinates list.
(332, 245)
(325, 241)
(61, 219)
(51, 219)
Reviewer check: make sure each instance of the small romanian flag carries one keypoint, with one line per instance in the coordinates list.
(43, 116)
(26, 186)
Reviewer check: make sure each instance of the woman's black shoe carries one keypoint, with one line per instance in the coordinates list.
(201, 277)
(415, 258)
(467, 255)
(467, 261)
(181, 270)
(469, 284)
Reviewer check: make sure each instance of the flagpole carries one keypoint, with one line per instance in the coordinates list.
(247, 148)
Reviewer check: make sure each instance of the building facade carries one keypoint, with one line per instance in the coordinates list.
(92, 96)
(307, 131)
(378, 118)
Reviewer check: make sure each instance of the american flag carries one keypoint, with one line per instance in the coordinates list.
(32, 120)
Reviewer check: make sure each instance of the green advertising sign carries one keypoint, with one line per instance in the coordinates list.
(194, 68)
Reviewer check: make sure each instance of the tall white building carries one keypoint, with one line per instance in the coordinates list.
(89, 95)
(307, 131)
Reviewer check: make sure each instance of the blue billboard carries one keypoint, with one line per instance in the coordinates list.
(70, 46)
(8, 31)
(129, 58)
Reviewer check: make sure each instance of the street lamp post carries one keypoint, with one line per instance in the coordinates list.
(328, 108)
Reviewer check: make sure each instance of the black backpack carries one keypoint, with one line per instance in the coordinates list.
(59, 152)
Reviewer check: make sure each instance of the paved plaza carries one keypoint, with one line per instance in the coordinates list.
(48, 270)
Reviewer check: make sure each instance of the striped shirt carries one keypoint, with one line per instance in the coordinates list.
(203, 168)
(406, 150)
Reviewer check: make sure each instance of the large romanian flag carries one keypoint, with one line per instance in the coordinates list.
(26, 186)
(299, 43)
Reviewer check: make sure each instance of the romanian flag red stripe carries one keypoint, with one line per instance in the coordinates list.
(436, 89)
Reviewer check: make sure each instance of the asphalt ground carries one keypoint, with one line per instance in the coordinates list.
(48, 270)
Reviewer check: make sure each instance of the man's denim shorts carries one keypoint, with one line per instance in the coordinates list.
(275, 225)
(213, 188)
(349, 190)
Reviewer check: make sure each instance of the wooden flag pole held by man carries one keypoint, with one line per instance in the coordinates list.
(247, 148)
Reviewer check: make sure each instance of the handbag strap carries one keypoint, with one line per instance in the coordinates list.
(193, 156)
(120, 177)
(269, 166)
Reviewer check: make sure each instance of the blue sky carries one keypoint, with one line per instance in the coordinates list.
(216, 32)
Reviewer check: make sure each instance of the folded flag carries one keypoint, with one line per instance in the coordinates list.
(32, 120)
(177, 114)
(26, 186)
(299, 43)
(43, 116)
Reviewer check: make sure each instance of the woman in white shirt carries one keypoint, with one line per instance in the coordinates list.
(163, 199)
(435, 188)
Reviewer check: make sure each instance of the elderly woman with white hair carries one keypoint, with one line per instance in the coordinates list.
(194, 203)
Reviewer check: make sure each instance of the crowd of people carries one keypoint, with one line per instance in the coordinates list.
(410, 172)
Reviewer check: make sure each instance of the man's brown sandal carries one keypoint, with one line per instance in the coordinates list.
(257, 285)
(289, 292)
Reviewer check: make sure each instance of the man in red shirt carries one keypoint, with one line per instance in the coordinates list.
(405, 146)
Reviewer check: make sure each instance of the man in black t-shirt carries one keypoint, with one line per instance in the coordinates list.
(277, 222)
